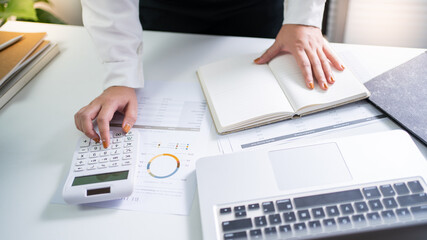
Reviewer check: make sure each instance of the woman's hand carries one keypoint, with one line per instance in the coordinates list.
(310, 50)
(102, 108)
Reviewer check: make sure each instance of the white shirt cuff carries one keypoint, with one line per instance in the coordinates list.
(124, 73)
(304, 12)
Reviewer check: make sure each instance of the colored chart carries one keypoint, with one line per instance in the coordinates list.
(163, 165)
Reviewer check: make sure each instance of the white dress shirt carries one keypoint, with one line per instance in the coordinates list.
(117, 32)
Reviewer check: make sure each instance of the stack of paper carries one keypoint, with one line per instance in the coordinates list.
(22, 60)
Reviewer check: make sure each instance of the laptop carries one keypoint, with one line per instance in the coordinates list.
(359, 187)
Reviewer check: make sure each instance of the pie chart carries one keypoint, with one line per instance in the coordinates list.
(163, 165)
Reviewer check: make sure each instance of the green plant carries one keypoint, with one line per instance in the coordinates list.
(25, 10)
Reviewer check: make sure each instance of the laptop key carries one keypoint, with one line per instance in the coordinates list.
(371, 192)
(318, 212)
(403, 214)
(303, 215)
(270, 232)
(235, 236)
(255, 234)
(389, 203)
(328, 198)
(329, 223)
(361, 207)
(332, 211)
(359, 220)
(388, 216)
(315, 226)
(275, 219)
(387, 190)
(344, 222)
(234, 225)
(289, 217)
(225, 210)
(300, 227)
(253, 206)
(346, 208)
(268, 207)
(239, 208)
(414, 199)
(285, 229)
(260, 221)
(375, 205)
(240, 214)
(401, 188)
(284, 205)
(419, 212)
(374, 218)
(415, 186)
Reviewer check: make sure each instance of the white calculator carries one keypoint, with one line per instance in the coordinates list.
(99, 174)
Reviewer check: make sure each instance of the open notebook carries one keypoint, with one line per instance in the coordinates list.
(242, 94)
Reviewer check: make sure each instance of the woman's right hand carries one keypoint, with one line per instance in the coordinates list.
(102, 108)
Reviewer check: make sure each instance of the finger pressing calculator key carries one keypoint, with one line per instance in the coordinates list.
(97, 174)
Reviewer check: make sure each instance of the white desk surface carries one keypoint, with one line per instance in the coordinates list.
(38, 137)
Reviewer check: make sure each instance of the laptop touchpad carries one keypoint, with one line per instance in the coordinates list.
(309, 166)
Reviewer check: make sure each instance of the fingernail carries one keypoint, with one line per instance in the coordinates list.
(104, 143)
(332, 80)
(311, 85)
(257, 60)
(342, 66)
(96, 140)
(325, 86)
(126, 128)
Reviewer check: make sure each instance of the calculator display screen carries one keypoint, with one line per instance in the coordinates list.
(104, 177)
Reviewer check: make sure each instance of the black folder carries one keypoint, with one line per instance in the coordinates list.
(402, 94)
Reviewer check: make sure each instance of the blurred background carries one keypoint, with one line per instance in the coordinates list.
(400, 23)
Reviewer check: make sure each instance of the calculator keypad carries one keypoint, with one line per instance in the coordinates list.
(91, 155)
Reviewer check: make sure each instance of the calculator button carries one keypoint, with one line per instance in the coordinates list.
(128, 144)
(93, 143)
(127, 156)
(128, 138)
(128, 150)
(94, 155)
(115, 152)
(117, 135)
(93, 161)
(85, 142)
(130, 133)
(95, 148)
(103, 160)
(80, 163)
(104, 153)
(82, 156)
(116, 145)
(116, 140)
(91, 167)
(84, 150)
(127, 162)
(114, 158)
(102, 165)
(114, 164)
(78, 169)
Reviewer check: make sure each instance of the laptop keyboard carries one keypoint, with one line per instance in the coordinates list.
(301, 216)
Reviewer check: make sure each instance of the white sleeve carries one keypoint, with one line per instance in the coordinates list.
(116, 31)
(305, 12)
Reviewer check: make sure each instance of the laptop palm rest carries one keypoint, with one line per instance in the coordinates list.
(309, 166)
